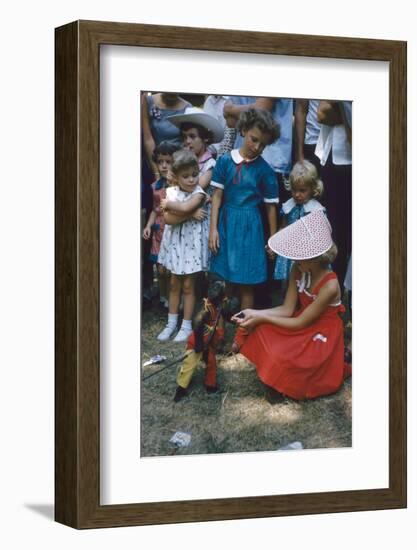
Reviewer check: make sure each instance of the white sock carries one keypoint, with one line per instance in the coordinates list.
(186, 324)
(172, 319)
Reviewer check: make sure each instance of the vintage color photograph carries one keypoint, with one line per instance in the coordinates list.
(246, 320)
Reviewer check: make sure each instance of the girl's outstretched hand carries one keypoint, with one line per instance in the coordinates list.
(214, 241)
(146, 233)
(247, 318)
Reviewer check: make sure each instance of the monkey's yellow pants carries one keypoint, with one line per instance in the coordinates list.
(188, 367)
(190, 362)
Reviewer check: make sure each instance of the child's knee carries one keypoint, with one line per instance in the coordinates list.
(188, 286)
(175, 284)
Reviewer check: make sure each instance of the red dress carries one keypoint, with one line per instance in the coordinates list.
(304, 363)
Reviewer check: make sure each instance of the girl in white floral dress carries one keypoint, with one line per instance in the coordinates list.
(184, 247)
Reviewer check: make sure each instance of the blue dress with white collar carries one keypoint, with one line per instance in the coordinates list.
(246, 184)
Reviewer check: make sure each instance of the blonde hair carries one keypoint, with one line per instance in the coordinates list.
(305, 171)
(328, 257)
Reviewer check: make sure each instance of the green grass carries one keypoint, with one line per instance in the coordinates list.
(238, 418)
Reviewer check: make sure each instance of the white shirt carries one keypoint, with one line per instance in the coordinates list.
(334, 139)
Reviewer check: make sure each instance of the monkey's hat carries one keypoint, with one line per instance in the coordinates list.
(305, 239)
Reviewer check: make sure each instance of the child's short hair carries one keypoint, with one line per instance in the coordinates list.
(183, 159)
(164, 148)
(328, 257)
(305, 171)
(260, 118)
(205, 134)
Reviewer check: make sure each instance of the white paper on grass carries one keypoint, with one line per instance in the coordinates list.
(125, 477)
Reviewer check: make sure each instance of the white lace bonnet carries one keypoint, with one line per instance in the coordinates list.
(307, 238)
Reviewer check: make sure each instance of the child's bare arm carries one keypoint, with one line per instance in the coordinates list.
(250, 318)
(205, 179)
(271, 213)
(216, 201)
(186, 207)
(327, 295)
(171, 218)
(200, 214)
(148, 226)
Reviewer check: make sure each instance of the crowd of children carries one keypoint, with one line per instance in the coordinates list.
(215, 211)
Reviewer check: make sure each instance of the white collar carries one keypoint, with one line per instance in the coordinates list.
(237, 157)
(310, 206)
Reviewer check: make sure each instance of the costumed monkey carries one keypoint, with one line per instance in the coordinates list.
(207, 335)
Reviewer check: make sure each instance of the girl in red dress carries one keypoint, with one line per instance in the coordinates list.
(298, 348)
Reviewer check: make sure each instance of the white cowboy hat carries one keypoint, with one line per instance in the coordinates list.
(198, 116)
(307, 238)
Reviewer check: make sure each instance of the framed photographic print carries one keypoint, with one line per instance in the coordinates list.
(159, 419)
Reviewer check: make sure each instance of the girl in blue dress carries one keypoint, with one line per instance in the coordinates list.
(305, 186)
(242, 180)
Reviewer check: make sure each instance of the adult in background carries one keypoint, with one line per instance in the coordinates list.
(307, 131)
(214, 106)
(334, 149)
(155, 110)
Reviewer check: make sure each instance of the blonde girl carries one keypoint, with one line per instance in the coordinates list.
(298, 347)
(305, 186)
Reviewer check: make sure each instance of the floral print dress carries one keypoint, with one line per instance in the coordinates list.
(184, 246)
